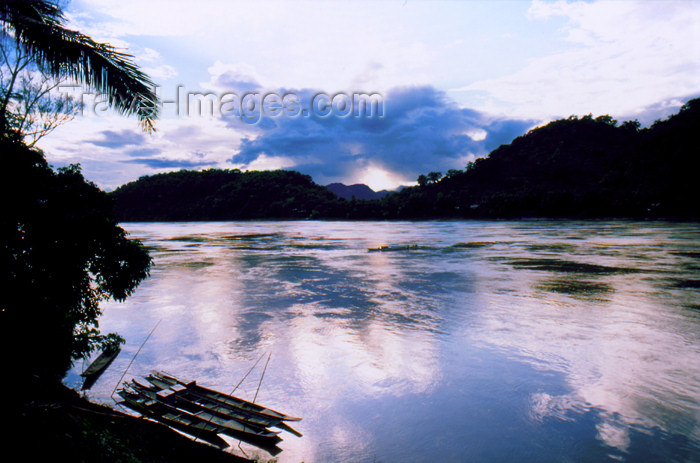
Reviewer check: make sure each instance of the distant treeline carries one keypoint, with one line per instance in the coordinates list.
(570, 168)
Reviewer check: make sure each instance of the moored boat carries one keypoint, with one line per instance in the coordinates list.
(215, 405)
(98, 366)
(154, 405)
(170, 398)
(206, 432)
(225, 398)
(184, 390)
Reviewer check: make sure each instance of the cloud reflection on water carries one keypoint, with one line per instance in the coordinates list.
(348, 327)
(623, 353)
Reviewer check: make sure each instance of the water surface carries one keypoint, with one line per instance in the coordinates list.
(467, 341)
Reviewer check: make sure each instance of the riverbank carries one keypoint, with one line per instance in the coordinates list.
(60, 425)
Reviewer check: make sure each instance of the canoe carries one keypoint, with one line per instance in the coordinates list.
(215, 405)
(175, 421)
(98, 366)
(224, 398)
(169, 397)
(159, 410)
(250, 417)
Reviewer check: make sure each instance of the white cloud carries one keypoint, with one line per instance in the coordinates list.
(223, 74)
(623, 57)
(187, 141)
(164, 72)
(265, 162)
(380, 179)
(149, 55)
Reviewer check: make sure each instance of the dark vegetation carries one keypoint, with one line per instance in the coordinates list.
(62, 252)
(225, 195)
(58, 425)
(570, 168)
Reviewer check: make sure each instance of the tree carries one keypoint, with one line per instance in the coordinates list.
(61, 252)
(61, 249)
(36, 27)
(33, 108)
(433, 177)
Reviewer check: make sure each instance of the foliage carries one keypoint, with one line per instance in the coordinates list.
(225, 195)
(61, 249)
(62, 252)
(37, 28)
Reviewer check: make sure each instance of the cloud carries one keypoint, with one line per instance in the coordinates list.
(647, 115)
(621, 58)
(421, 130)
(115, 139)
(163, 72)
(113, 150)
(239, 77)
(155, 163)
(143, 152)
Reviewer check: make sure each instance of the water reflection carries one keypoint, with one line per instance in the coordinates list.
(529, 341)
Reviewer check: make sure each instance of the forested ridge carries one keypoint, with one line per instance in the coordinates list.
(216, 194)
(579, 167)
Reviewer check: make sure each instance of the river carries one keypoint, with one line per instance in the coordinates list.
(484, 341)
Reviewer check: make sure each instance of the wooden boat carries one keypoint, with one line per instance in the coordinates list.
(215, 405)
(170, 398)
(206, 432)
(192, 386)
(157, 409)
(98, 366)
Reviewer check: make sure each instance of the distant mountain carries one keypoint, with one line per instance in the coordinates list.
(358, 190)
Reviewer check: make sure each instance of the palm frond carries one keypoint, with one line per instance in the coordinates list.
(36, 25)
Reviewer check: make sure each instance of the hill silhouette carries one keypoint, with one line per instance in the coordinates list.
(224, 195)
(579, 167)
(358, 191)
(576, 167)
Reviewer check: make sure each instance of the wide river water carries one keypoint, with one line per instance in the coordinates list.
(527, 341)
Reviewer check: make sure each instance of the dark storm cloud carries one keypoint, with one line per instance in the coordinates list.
(421, 130)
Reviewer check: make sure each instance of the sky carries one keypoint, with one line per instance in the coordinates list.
(370, 92)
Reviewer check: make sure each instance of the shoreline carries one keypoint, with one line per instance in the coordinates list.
(60, 423)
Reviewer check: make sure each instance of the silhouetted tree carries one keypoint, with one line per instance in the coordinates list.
(62, 252)
(61, 249)
(433, 177)
(32, 109)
